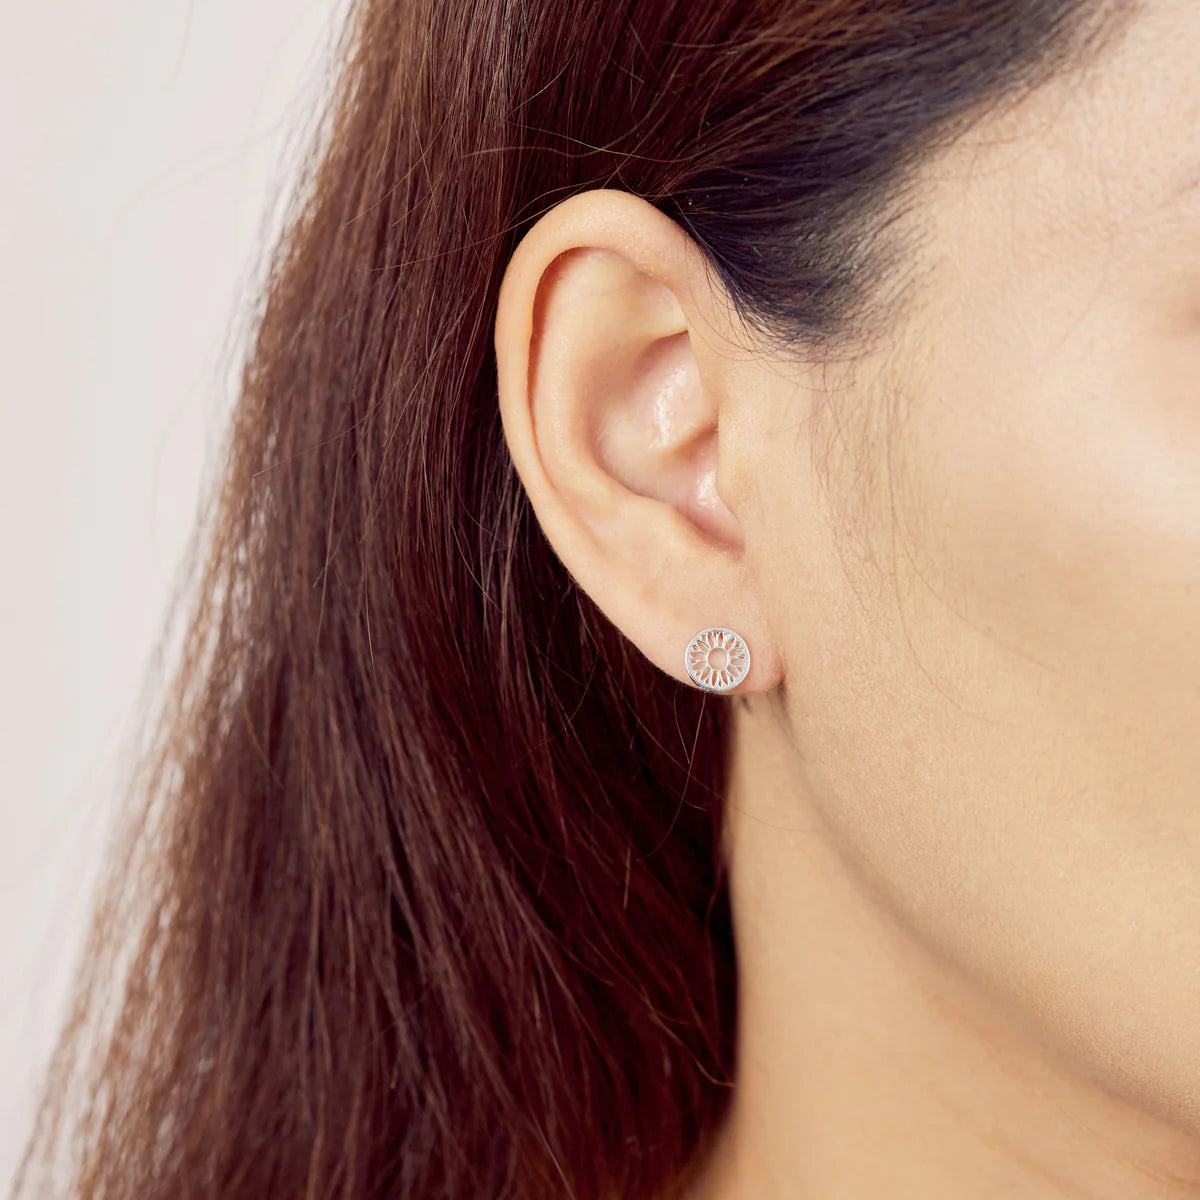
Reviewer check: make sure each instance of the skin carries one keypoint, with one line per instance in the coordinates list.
(964, 805)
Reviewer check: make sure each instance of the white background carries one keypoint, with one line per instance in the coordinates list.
(144, 149)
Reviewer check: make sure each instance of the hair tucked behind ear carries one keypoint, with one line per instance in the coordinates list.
(422, 895)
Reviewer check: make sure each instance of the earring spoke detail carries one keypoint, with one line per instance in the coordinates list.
(731, 654)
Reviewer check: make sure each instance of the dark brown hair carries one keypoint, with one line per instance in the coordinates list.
(422, 894)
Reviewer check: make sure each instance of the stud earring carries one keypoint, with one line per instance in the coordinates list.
(717, 659)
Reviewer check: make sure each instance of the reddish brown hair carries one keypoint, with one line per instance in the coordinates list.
(422, 896)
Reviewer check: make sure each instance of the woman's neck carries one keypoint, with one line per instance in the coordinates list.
(870, 1064)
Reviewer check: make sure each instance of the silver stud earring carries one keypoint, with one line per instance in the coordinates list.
(717, 659)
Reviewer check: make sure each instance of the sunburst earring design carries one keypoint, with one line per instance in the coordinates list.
(717, 659)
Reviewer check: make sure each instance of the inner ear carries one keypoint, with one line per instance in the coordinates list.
(655, 405)
(660, 439)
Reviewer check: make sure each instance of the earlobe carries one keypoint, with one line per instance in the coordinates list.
(613, 423)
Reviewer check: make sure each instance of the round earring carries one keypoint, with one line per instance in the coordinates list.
(717, 659)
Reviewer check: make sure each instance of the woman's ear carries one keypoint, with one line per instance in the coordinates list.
(615, 391)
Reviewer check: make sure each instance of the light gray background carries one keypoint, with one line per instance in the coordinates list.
(143, 149)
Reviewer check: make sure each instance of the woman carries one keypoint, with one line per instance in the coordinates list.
(864, 333)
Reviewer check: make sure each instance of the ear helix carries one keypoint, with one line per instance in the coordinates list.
(717, 659)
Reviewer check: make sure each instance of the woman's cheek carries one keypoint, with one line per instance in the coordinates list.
(1051, 499)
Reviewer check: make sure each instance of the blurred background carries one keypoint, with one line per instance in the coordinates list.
(145, 152)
